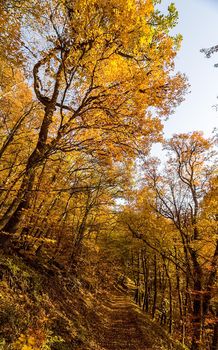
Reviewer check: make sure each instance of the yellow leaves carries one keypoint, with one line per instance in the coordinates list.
(113, 71)
(139, 9)
(10, 38)
(26, 342)
(148, 7)
(34, 338)
(130, 5)
(14, 91)
(126, 20)
(146, 38)
(118, 65)
(119, 61)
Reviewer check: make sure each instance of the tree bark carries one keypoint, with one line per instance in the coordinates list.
(197, 302)
(155, 288)
(13, 216)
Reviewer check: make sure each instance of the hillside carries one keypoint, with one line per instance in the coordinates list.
(45, 306)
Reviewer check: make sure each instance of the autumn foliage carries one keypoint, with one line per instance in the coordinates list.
(84, 89)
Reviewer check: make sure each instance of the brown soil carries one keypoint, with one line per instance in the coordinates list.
(42, 298)
(124, 326)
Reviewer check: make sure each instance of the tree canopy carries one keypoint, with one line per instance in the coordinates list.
(85, 87)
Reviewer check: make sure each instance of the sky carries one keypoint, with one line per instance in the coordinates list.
(198, 24)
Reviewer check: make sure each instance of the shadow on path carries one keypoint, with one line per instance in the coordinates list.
(124, 326)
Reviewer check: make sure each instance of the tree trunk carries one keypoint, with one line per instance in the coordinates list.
(145, 275)
(21, 202)
(155, 287)
(170, 299)
(214, 345)
(197, 303)
(12, 218)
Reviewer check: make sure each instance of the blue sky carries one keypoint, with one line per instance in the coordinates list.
(198, 23)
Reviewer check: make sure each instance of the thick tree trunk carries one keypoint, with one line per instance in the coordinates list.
(14, 213)
(13, 216)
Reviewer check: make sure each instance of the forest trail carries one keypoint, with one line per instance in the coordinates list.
(125, 326)
(82, 319)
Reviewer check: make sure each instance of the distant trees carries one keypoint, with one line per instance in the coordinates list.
(178, 194)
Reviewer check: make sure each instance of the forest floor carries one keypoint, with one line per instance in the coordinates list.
(47, 305)
(125, 327)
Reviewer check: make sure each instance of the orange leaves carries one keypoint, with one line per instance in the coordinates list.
(102, 66)
(115, 70)
(10, 38)
(117, 59)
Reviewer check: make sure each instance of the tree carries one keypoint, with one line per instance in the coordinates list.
(104, 65)
(173, 214)
(179, 194)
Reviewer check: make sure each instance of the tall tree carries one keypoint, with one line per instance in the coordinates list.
(174, 215)
(179, 194)
(101, 68)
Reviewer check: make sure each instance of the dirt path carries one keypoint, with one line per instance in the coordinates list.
(124, 326)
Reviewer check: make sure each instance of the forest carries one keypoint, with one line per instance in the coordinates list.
(90, 219)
